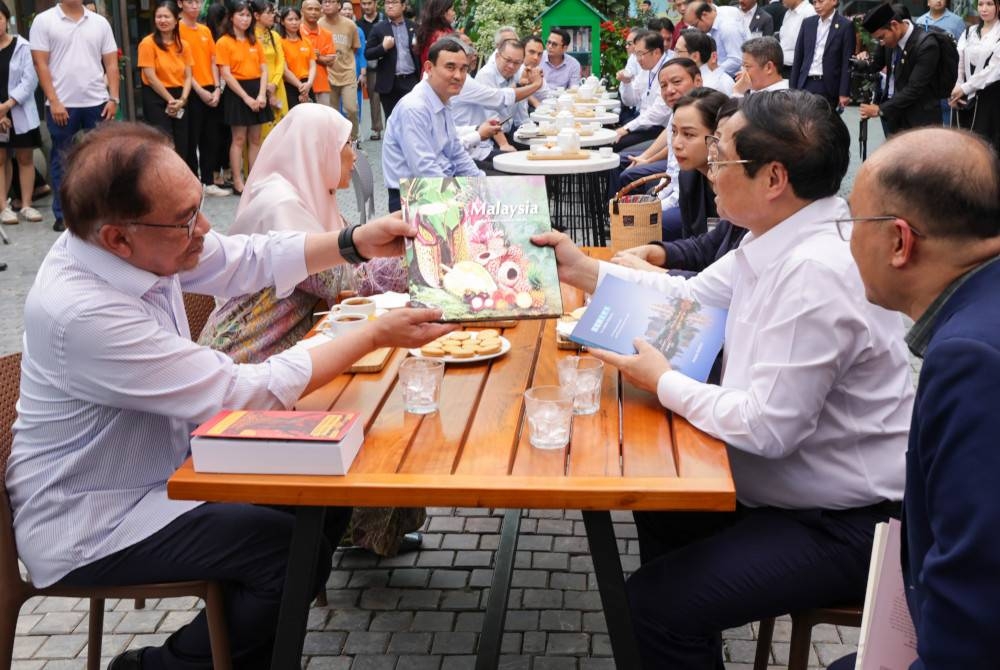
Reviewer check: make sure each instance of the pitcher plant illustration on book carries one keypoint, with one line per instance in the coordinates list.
(472, 255)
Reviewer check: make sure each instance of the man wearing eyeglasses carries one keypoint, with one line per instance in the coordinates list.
(725, 25)
(814, 400)
(926, 237)
(392, 45)
(559, 68)
(112, 385)
(654, 114)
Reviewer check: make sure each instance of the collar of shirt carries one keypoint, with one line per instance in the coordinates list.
(545, 59)
(920, 334)
(760, 252)
(434, 102)
(116, 271)
(906, 36)
(62, 15)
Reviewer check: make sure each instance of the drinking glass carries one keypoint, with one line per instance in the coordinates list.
(421, 383)
(550, 416)
(582, 377)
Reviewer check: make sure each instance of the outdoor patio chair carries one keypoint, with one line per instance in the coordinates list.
(802, 625)
(198, 308)
(364, 187)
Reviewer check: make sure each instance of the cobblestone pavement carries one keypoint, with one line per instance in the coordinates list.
(415, 611)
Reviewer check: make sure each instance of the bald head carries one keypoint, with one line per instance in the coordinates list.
(947, 182)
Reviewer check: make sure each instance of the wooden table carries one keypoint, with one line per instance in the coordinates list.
(631, 455)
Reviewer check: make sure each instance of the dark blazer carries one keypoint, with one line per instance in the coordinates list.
(914, 103)
(776, 10)
(696, 200)
(762, 23)
(694, 254)
(951, 510)
(385, 72)
(836, 55)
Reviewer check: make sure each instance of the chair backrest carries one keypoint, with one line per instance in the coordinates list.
(10, 390)
(198, 308)
(364, 186)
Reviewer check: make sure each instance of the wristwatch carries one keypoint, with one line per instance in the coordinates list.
(347, 249)
(114, 100)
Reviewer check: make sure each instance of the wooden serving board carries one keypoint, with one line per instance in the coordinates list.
(578, 155)
(373, 361)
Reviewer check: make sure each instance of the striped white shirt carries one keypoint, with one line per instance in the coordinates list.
(111, 385)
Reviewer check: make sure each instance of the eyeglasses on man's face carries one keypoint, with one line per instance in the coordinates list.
(845, 227)
(554, 43)
(189, 226)
(714, 164)
(511, 61)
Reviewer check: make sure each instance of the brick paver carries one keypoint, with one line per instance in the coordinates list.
(418, 611)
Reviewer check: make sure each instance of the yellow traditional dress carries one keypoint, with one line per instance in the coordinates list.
(274, 56)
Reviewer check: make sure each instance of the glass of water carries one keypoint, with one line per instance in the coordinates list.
(550, 416)
(421, 384)
(582, 377)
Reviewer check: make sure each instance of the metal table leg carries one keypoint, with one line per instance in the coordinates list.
(297, 594)
(611, 582)
(488, 657)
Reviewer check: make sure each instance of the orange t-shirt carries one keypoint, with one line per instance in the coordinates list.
(322, 42)
(202, 46)
(245, 60)
(168, 64)
(298, 55)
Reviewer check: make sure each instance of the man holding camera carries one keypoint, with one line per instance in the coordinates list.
(912, 58)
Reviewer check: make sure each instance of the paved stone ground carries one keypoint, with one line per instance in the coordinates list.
(416, 611)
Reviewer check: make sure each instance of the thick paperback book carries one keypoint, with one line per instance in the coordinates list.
(277, 442)
(472, 255)
(688, 333)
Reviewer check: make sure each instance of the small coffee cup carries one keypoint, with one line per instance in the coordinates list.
(606, 151)
(358, 305)
(346, 322)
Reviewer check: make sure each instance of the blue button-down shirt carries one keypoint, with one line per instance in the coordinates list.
(729, 37)
(404, 57)
(421, 140)
(564, 75)
(111, 386)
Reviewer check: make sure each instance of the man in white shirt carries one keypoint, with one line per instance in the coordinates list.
(797, 12)
(725, 25)
(700, 47)
(654, 114)
(761, 67)
(72, 48)
(814, 400)
(111, 385)
(757, 22)
(559, 68)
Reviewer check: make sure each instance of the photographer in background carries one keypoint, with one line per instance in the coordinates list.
(912, 57)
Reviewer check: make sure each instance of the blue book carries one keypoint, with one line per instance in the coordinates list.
(688, 333)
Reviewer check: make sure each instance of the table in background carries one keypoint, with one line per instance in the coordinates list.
(599, 138)
(577, 190)
(474, 452)
(603, 118)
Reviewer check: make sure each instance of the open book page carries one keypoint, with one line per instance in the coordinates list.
(888, 640)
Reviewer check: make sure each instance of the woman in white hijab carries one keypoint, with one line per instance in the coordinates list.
(293, 184)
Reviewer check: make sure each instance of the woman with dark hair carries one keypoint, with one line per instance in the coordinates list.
(300, 60)
(18, 119)
(165, 61)
(691, 255)
(241, 64)
(976, 97)
(274, 57)
(436, 19)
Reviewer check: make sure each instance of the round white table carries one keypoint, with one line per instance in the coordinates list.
(577, 190)
(599, 138)
(603, 118)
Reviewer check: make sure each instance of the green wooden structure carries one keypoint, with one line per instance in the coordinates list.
(583, 22)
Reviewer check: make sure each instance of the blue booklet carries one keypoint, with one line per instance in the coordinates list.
(688, 333)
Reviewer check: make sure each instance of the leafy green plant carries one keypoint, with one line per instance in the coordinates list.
(482, 18)
(613, 54)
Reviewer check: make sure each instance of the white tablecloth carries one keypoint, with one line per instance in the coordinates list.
(518, 163)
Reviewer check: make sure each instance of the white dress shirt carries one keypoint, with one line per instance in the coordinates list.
(111, 386)
(631, 93)
(653, 111)
(717, 79)
(816, 394)
(790, 27)
(979, 59)
(822, 33)
(478, 101)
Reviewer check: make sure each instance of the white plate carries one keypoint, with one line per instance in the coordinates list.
(504, 348)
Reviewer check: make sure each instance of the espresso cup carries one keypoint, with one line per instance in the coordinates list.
(358, 305)
(346, 322)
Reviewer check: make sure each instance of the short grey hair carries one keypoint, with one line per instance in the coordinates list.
(498, 36)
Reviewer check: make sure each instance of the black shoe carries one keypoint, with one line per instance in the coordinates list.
(130, 660)
(58, 226)
(3, 266)
(411, 542)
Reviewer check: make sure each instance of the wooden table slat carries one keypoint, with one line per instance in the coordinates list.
(697, 454)
(647, 444)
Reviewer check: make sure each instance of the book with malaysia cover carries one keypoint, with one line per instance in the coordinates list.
(472, 255)
(277, 442)
(688, 333)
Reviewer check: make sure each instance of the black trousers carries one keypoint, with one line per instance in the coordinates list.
(154, 109)
(243, 546)
(637, 137)
(207, 133)
(704, 572)
(816, 86)
(395, 204)
(402, 85)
